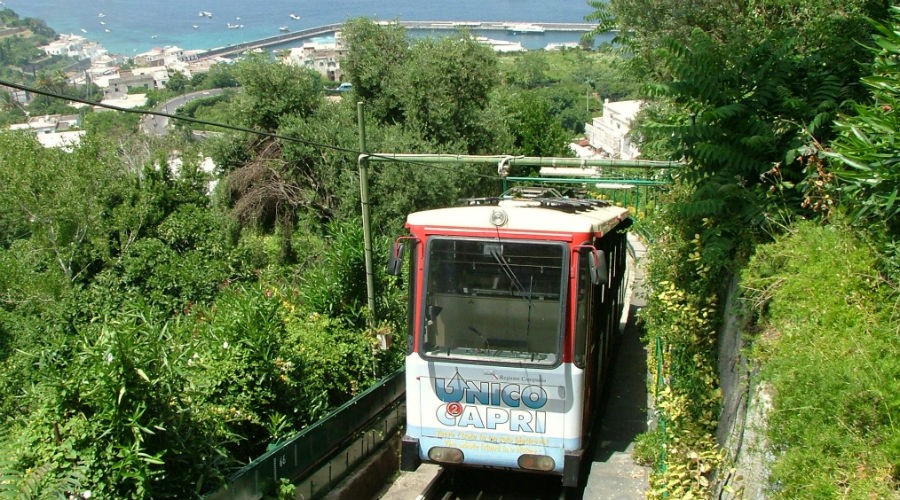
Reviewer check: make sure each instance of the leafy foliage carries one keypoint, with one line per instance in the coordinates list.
(866, 151)
(435, 89)
(681, 318)
(58, 204)
(537, 130)
(444, 87)
(162, 359)
(374, 57)
(273, 91)
(745, 94)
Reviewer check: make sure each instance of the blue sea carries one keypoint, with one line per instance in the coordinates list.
(130, 27)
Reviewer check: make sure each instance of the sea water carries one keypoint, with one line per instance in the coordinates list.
(130, 27)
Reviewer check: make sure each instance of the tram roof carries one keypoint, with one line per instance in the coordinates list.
(534, 215)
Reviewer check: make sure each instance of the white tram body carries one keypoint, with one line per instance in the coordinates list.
(513, 302)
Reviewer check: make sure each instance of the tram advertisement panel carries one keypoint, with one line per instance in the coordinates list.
(495, 414)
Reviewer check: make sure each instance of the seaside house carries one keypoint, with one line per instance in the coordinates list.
(323, 58)
(53, 131)
(609, 132)
(153, 57)
(128, 81)
(195, 65)
(74, 46)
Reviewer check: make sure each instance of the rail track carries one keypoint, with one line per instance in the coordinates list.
(481, 484)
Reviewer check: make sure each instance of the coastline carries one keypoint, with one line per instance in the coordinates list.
(134, 28)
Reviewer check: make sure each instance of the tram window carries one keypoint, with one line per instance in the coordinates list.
(582, 308)
(488, 300)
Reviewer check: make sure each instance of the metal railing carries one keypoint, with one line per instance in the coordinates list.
(634, 187)
(305, 453)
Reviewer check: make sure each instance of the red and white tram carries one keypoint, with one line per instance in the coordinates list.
(513, 302)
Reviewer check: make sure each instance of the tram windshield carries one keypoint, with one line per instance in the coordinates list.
(493, 301)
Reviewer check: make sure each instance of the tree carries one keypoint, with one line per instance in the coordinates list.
(263, 190)
(59, 199)
(375, 54)
(444, 87)
(744, 101)
(537, 128)
(220, 76)
(177, 81)
(529, 70)
(273, 91)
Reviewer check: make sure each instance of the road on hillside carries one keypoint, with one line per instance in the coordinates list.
(158, 125)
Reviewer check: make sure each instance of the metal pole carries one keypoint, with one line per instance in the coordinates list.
(533, 161)
(364, 201)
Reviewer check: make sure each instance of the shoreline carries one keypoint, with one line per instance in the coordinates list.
(129, 28)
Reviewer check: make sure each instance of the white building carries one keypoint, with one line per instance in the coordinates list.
(127, 81)
(75, 46)
(323, 58)
(53, 131)
(609, 131)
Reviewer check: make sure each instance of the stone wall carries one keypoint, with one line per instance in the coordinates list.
(746, 402)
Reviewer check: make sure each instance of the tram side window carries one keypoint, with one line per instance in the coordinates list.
(582, 311)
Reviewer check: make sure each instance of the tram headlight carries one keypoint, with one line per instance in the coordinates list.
(536, 462)
(446, 455)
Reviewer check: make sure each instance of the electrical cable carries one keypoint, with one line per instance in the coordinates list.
(47, 93)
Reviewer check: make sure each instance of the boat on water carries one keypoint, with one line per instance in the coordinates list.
(234, 26)
(204, 13)
(101, 15)
(500, 45)
(283, 29)
(83, 30)
(295, 17)
(525, 28)
(195, 26)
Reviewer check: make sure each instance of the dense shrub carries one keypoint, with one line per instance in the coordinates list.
(830, 349)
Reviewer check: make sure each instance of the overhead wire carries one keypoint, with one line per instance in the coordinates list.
(262, 133)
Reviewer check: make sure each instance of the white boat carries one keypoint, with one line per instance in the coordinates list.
(283, 28)
(234, 26)
(205, 13)
(106, 30)
(525, 28)
(500, 45)
(101, 15)
(195, 26)
(562, 45)
(102, 22)
(155, 36)
(83, 30)
(295, 17)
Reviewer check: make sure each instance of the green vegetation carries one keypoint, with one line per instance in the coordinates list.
(780, 120)
(154, 334)
(828, 343)
(149, 348)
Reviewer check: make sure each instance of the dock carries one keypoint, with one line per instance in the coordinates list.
(328, 29)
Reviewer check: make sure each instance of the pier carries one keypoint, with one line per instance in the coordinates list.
(284, 38)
